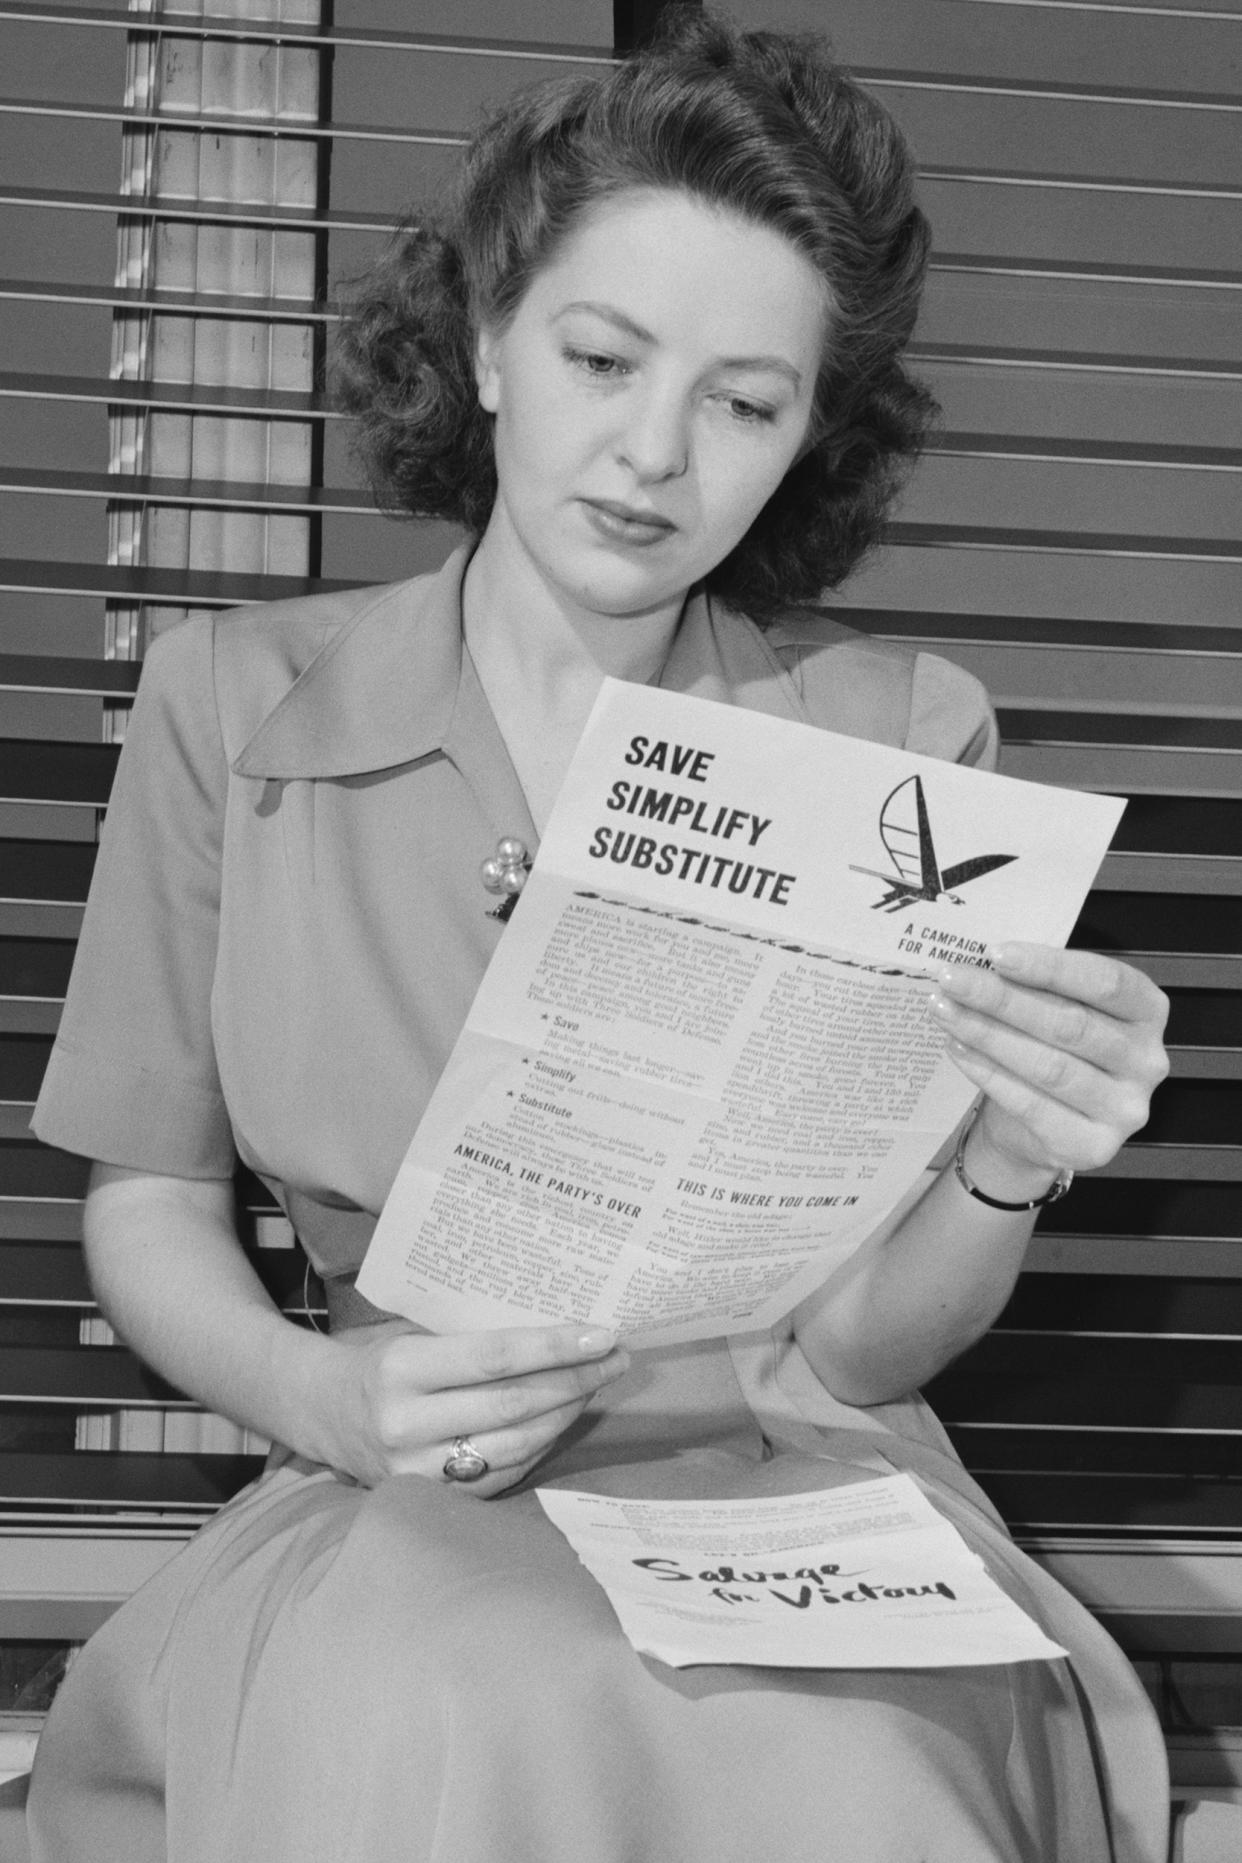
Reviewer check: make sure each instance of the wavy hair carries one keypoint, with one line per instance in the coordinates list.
(762, 124)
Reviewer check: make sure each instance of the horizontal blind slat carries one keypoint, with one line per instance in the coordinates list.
(108, 296)
(1014, 356)
(35, 770)
(1102, 543)
(82, 1375)
(126, 488)
(452, 135)
(120, 1478)
(227, 28)
(47, 673)
(50, 871)
(187, 397)
(1072, 44)
(195, 588)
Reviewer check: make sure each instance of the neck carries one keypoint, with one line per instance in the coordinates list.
(541, 662)
(549, 643)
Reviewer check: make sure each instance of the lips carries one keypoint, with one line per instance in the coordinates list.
(627, 523)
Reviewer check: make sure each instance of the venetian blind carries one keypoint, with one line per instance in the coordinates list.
(1073, 538)
(180, 187)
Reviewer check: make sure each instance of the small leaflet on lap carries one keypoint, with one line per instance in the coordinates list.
(866, 1576)
(699, 1070)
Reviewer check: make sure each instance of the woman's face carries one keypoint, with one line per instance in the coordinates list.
(650, 393)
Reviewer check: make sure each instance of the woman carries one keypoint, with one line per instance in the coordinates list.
(651, 364)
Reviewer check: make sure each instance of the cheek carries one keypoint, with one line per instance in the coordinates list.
(737, 490)
(545, 430)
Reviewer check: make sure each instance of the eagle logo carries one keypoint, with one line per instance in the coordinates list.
(905, 830)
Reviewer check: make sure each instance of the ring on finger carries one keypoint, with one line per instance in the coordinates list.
(464, 1462)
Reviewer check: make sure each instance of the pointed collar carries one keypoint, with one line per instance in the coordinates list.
(387, 687)
(381, 692)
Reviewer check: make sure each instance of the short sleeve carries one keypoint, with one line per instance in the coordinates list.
(875, 689)
(951, 716)
(132, 1079)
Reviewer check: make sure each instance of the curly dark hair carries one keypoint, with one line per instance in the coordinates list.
(763, 124)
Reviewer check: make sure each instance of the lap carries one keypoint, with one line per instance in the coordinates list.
(407, 1672)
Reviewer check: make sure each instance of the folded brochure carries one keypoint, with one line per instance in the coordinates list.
(864, 1576)
(699, 1069)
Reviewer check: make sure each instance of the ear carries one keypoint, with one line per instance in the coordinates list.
(487, 369)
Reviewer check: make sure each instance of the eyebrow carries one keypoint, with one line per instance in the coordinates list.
(776, 364)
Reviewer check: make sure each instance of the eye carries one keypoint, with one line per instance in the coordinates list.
(748, 412)
(595, 362)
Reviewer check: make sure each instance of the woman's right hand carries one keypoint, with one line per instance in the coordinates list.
(394, 1399)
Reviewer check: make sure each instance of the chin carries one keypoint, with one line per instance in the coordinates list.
(623, 602)
(621, 587)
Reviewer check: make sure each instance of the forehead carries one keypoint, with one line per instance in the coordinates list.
(673, 264)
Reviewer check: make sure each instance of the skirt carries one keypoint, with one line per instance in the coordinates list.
(406, 1674)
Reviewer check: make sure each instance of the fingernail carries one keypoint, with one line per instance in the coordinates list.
(595, 1341)
(939, 1007)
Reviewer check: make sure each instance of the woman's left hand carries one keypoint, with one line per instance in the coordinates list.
(1065, 1047)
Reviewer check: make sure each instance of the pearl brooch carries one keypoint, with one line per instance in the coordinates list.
(505, 872)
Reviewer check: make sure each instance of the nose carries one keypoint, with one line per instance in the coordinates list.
(654, 438)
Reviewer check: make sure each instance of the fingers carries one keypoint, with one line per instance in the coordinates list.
(1100, 1026)
(1059, 1050)
(509, 1453)
(1088, 977)
(451, 1360)
(1109, 1084)
(1062, 1115)
(506, 1406)
(1036, 1129)
(427, 1390)
(1065, 1045)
